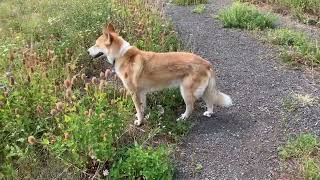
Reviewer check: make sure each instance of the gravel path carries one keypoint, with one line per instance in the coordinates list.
(240, 142)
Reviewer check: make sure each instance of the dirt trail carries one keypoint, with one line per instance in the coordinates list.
(240, 142)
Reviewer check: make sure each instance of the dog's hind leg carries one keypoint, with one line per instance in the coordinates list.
(136, 97)
(209, 100)
(143, 99)
(189, 99)
(209, 96)
(143, 102)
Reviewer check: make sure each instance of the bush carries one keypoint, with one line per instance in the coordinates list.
(246, 16)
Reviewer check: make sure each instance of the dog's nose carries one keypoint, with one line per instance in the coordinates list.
(88, 52)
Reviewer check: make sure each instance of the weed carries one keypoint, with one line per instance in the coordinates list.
(199, 167)
(189, 2)
(246, 16)
(304, 149)
(199, 9)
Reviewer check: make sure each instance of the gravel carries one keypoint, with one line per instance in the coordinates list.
(241, 142)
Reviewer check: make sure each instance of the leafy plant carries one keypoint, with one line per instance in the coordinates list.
(245, 16)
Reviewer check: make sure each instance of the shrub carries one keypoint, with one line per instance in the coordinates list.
(245, 16)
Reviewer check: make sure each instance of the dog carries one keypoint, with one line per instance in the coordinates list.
(142, 72)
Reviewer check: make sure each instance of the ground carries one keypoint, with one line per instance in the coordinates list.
(241, 142)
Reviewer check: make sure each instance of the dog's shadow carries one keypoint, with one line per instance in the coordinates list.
(223, 120)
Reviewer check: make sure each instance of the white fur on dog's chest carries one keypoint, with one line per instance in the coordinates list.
(121, 76)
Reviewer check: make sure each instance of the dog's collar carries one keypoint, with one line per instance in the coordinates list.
(125, 47)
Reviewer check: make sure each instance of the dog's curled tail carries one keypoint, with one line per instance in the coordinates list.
(215, 96)
(223, 100)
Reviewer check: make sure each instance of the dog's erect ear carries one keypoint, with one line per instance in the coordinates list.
(109, 38)
(109, 28)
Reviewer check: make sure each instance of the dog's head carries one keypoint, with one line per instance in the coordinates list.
(107, 45)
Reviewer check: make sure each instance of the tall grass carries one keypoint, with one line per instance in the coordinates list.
(55, 102)
(245, 16)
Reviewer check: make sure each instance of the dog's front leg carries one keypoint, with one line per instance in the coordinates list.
(136, 97)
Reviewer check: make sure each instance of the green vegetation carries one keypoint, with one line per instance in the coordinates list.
(199, 9)
(297, 48)
(302, 7)
(137, 162)
(304, 150)
(189, 2)
(286, 37)
(307, 11)
(305, 6)
(245, 16)
(61, 111)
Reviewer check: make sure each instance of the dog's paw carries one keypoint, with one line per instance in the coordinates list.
(182, 117)
(207, 113)
(146, 117)
(137, 122)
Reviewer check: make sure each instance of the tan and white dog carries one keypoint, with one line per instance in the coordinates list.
(142, 72)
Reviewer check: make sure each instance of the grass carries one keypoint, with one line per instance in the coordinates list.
(296, 101)
(189, 2)
(61, 111)
(304, 150)
(307, 11)
(246, 16)
(199, 9)
(305, 6)
(297, 48)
